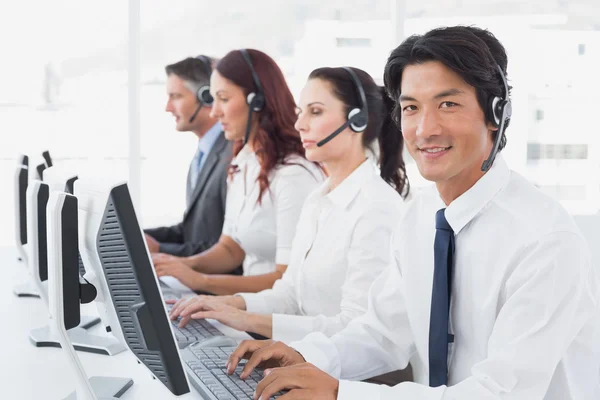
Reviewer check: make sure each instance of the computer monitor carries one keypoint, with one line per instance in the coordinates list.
(47, 159)
(119, 265)
(62, 179)
(21, 183)
(37, 200)
(46, 164)
(40, 171)
(66, 291)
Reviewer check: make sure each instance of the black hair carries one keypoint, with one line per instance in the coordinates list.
(380, 126)
(472, 53)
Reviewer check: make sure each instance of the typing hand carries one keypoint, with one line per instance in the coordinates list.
(228, 315)
(153, 245)
(161, 258)
(215, 307)
(304, 382)
(263, 354)
(186, 275)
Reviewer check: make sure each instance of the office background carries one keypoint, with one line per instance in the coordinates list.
(71, 68)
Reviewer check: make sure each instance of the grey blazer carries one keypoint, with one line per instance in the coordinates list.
(203, 218)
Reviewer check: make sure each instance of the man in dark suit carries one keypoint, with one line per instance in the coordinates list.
(189, 102)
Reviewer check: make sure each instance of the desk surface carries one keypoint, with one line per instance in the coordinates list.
(31, 373)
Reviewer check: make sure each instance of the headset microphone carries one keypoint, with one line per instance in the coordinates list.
(195, 113)
(501, 111)
(358, 118)
(334, 134)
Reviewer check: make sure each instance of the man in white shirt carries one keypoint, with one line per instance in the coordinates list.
(492, 294)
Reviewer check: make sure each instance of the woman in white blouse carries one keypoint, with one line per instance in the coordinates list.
(342, 242)
(269, 180)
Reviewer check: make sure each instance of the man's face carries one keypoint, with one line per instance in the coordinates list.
(443, 124)
(181, 103)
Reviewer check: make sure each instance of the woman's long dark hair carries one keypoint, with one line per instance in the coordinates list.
(276, 138)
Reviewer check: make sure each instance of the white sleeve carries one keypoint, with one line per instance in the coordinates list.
(551, 296)
(368, 255)
(380, 341)
(280, 299)
(292, 185)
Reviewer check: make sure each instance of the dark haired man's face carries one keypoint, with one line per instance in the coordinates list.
(444, 127)
(181, 104)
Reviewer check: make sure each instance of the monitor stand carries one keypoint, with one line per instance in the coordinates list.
(80, 338)
(105, 388)
(26, 290)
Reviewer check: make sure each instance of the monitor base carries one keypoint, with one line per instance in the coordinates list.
(106, 388)
(81, 340)
(26, 290)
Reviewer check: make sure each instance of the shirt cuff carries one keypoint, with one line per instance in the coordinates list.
(318, 350)
(255, 303)
(288, 328)
(283, 255)
(350, 390)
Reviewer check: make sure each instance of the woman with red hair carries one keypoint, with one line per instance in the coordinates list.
(269, 180)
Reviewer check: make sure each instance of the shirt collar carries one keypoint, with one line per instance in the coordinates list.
(244, 156)
(346, 191)
(207, 141)
(462, 210)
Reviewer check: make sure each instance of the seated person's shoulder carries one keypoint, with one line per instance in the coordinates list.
(298, 167)
(531, 211)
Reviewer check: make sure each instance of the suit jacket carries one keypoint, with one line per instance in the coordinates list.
(203, 219)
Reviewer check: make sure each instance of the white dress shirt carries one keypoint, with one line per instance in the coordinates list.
(265, 230)
(342, 244)
(524, 308)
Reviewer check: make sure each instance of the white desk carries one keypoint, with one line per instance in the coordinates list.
(31, 373)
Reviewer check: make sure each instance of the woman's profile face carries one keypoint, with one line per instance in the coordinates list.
(229, 106)
(320, 113)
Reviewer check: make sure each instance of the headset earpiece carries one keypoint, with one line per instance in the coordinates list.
(203, 93)
(500, 110)
(204, 96)
(255, 101)
(358, 118)
(358, 122)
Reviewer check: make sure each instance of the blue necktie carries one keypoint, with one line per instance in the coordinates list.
(196, 167)
(440, 301)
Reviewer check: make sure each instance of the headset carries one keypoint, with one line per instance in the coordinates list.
(500, 109)
(256, 100)
(203, 93)
(358, 118)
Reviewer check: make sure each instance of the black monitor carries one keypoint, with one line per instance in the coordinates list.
(42, 251)
(69, 184)
(63, 180)
(119, 259)
(70, 262)
(40, 171)
(21, 183)
(47, 159)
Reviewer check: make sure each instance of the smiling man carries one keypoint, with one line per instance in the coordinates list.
(491, 294)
